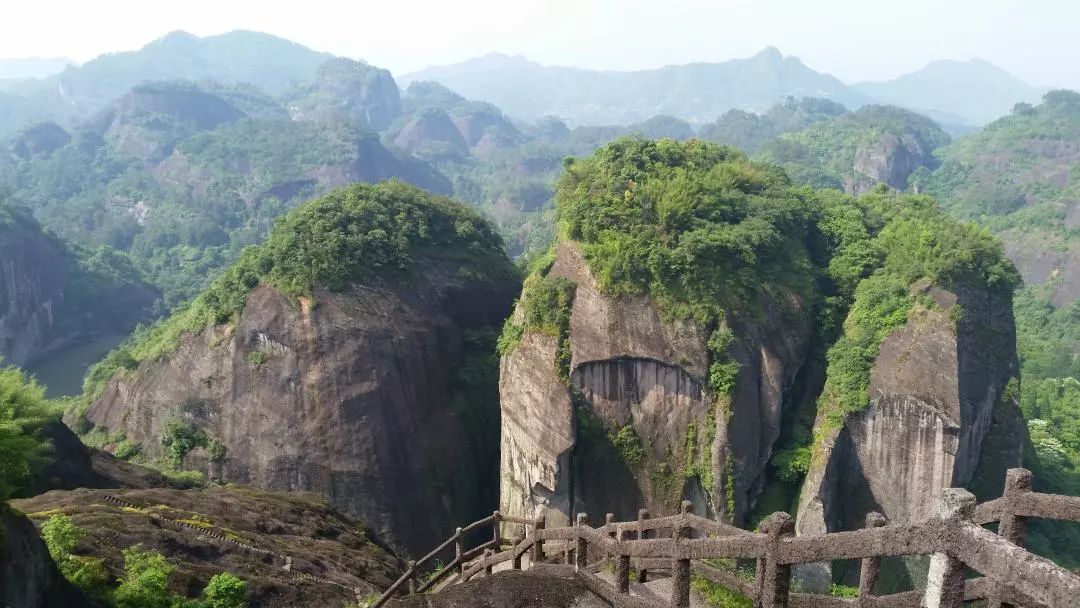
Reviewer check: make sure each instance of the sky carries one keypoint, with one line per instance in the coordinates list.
(855, 40)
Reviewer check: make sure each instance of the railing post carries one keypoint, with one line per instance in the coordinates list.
(538, 544)
(871, 566)
(622, 567)
(642, 515)
(517, 556)
(487, 562)
(581, 550)
(412, 578)
(945, 579)
(1011, 526)
(776, 577)
(497, 533)
(680, 562)
(609, 525)
(458, 552)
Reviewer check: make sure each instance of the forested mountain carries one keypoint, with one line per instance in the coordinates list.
(184, 180)
(696, 92)
(955, 92)
(268, 62)
(855, 151)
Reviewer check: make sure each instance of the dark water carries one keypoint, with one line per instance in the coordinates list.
(62, 372)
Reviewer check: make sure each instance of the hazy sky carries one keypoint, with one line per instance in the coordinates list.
(1038, 40)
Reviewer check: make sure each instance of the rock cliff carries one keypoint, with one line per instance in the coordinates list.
(378, 394)
(348, 90)
(28, 576)
(635, 424)
(52, 298)
(943, 412)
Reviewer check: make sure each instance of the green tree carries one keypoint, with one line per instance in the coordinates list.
(23, 412)
(225, 591)
(145, 580)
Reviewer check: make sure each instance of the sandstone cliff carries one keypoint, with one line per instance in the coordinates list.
(51, 299)
(347, 394)
(634, 423)
(28, 576)
(943, 412)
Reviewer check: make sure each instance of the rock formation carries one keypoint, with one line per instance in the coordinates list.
(246, 532)
(50, 299)
(633, 370)
(372, 394)
(28, 576)
(943, 412)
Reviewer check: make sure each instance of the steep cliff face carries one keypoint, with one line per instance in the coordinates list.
(634, 423)
(889, 159)
(943, 386)
(351, 354)
(28, 576)
(347, 394)
(50, 299)
(348, 90)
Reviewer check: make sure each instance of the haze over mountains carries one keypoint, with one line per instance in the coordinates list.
(957, 94)
(954, 93)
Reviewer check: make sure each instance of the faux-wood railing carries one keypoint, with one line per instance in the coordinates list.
(955, 539)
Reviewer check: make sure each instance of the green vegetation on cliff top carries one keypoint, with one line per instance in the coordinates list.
(361, 232)
(917, 242)
(695, 225)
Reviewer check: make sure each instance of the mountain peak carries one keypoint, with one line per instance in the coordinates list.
(770, 53)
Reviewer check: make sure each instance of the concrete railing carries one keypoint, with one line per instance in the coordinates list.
(679, 544)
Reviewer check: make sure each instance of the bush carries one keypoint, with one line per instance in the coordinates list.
(127, 450)
(61, 536)
(23, 412)
(225, 591)
(145, 580)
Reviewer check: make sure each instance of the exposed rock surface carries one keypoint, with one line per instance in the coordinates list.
(70, 464)
(936, 392)
(349, 395)
(28, 576)
(890, 158)
(630, 368)
(349, 90)
(432, 127)
(321, 542)
(42, 309)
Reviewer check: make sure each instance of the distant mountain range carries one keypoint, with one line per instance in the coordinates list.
(976, 91)
(268, 62)
(697, 92)
(959, 95)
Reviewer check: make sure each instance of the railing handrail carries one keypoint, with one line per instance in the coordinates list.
(1000, 557)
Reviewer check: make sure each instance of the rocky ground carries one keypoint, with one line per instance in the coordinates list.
(247, 532)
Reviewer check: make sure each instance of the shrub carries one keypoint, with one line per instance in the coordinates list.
(145, 580)
(225, 591)
(23, 412)
(127, 449)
